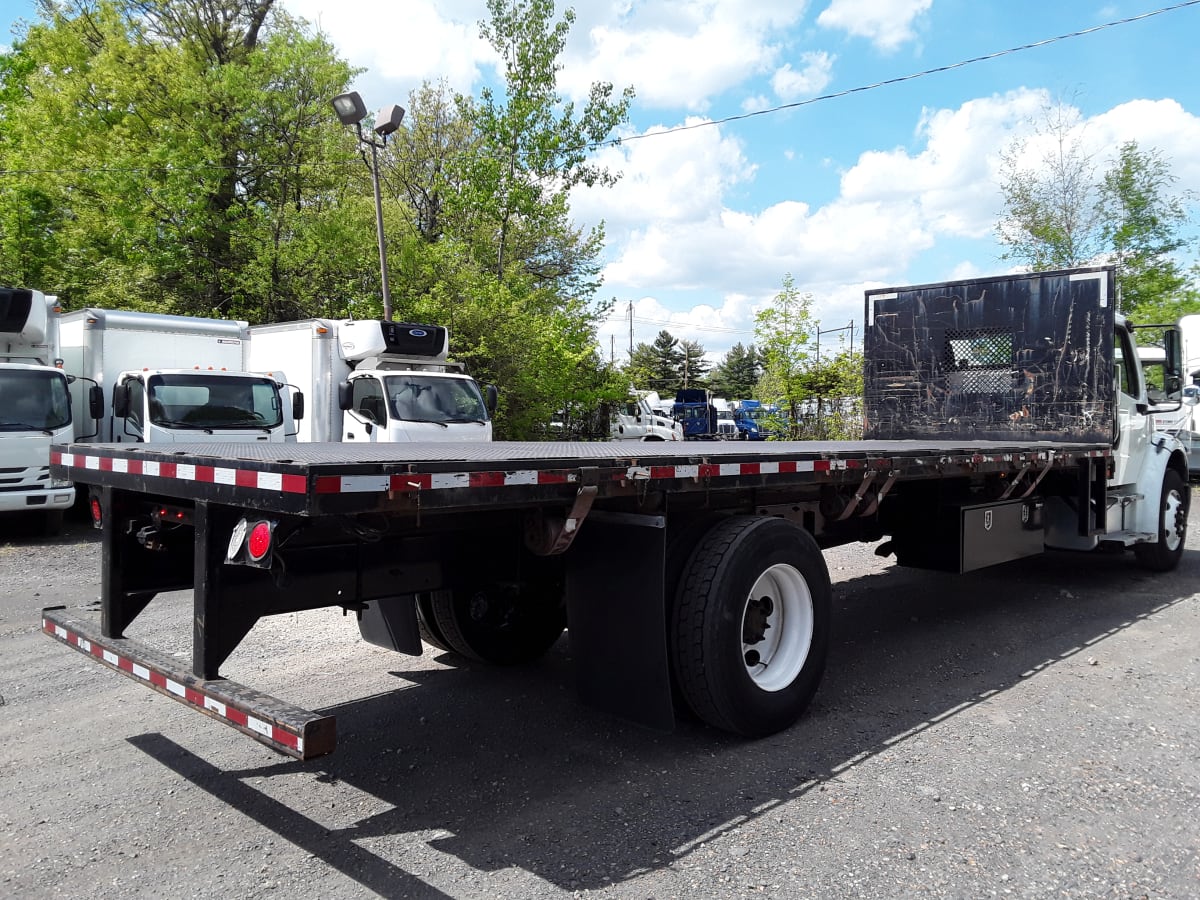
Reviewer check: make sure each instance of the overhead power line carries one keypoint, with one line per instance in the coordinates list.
(902, 78)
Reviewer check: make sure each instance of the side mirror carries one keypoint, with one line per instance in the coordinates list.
(120, 403)
(297, 405)
(96, 402)
(1173, 370)
(345, 400)
(491, 397)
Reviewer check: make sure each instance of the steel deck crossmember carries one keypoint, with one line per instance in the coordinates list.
(289, 729)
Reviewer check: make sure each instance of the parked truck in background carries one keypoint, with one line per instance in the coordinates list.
(694, 410)
(373, 381)
(165, 378)
(1005, 416)
(35, 407)
(636, 420)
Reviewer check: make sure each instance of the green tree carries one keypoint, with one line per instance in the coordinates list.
(180, 144)
(694, 366)
(1143, 221)
(1050, 219)
(736, 375)
(1059, 214)
(657, 366)
(782, 332)
(531, 147)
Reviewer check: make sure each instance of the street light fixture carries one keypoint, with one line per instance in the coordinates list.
(351, 110)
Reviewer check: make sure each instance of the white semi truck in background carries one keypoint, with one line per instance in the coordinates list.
(35, 406)
(374, 381)
(162, 378)
(636, 420)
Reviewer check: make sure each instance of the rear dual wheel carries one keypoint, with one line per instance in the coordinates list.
(751, 625)
(503, 622)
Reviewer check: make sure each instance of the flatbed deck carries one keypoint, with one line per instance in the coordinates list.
(340, 479)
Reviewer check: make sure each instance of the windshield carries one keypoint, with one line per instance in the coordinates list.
(425, 398)
(32, 400)
(211, 401)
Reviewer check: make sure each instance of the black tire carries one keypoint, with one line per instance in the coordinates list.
(502, 623)
(52, 522)
(1164, 554)
(427, 625)
(716, 620)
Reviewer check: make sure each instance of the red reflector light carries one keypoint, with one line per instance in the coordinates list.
(96, 514)
(259, 542)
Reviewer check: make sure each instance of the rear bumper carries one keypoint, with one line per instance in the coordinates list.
(286, 728)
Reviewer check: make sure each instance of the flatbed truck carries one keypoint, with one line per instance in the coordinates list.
(1005, 416)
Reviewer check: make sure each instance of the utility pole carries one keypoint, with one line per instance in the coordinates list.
(631, 331)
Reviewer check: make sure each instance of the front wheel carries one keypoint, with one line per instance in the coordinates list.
(1163, 555)
(751, 625)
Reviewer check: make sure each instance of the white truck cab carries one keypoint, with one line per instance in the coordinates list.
(35, 406)
(376, 381)
(636, 421)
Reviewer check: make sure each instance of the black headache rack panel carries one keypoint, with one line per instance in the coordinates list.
(339, 479)
(1022, 357)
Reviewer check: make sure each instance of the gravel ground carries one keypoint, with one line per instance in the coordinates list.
(1028, 731)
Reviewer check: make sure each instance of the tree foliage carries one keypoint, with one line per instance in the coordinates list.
(736, 375)
(1142, 226)
(1059, 213)
(181, 156)
(782, 331)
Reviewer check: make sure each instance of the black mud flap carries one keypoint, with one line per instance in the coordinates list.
(616, 617)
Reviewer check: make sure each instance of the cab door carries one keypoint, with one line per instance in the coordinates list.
(1134, 424)
(366, 421)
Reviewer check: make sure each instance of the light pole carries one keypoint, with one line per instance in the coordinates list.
(351, 110)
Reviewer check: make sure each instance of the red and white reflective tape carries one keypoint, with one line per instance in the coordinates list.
(181, 692)
(266, 481)
(412, 482)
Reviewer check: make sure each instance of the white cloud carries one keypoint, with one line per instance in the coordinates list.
(673, 231)
(886, 23)
(403, 44)
(679, 53)
(790, 84)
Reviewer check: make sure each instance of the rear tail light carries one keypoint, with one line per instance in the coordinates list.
(97, 512)
(258, 544)
(251, 543)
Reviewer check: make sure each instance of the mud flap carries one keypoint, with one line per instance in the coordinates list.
(616, 617)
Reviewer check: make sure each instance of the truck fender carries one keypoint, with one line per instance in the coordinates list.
(1165, 452)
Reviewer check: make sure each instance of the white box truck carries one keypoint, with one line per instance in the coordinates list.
(166, 378)
(35, 406)
(374, 381)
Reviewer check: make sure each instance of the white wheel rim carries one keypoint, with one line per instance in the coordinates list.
(1173, 521)
(777, 627)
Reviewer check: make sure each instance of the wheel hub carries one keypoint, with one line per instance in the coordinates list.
(777, 627)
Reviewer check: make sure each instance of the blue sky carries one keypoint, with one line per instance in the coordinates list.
(894, 185)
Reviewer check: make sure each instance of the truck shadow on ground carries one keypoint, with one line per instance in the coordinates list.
(509, 770)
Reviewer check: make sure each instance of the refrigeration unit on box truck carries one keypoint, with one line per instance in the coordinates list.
(374, 381)
(166, 378)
